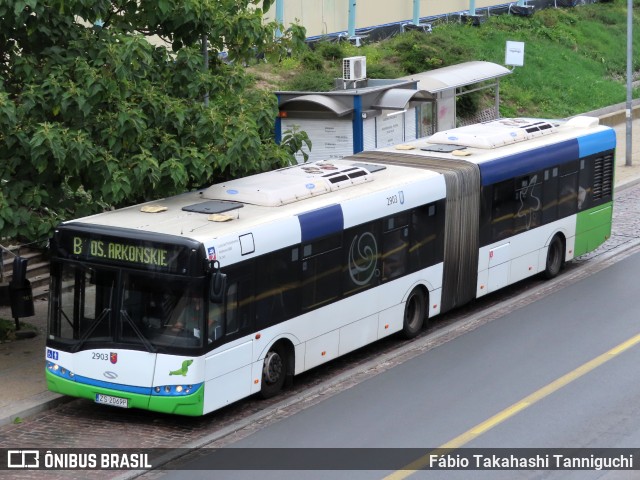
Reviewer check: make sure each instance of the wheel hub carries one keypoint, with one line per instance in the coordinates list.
(272, 368)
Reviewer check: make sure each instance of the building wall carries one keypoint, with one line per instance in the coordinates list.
(322, 17)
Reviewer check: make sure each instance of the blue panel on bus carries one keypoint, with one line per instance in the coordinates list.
(321, 222)
(528, 162)
(113, 386)
(597, 142)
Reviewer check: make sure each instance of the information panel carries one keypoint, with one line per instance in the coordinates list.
(135, 253)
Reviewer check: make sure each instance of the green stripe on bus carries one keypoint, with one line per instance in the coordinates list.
(593, 227)
(191, 405)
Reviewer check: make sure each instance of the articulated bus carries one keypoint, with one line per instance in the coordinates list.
(189, 303)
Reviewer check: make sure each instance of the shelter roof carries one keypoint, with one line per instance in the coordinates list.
(459, 75)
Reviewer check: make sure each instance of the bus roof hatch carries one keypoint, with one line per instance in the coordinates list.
(495, 133)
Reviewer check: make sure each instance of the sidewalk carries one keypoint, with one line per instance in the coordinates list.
(626, 176)
(22, 362)
(22, 370)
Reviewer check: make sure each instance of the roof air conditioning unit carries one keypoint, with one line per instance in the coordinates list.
(354, 68)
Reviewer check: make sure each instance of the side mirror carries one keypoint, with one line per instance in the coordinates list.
(218, 285)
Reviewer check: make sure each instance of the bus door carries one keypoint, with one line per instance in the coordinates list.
(228, 367)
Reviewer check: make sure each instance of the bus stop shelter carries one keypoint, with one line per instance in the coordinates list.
(446, 84)
(367, 114)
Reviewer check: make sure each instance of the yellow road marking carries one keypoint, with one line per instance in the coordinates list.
(512, 410)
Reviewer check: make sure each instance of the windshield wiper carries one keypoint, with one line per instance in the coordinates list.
(66, 317)
(147, 345)
(90, 330)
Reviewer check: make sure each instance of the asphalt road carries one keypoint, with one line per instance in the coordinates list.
(481, 378)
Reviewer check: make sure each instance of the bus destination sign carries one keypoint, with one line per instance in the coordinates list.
(120, 252)
(135, 253)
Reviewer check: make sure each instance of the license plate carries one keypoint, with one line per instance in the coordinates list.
(113, 401)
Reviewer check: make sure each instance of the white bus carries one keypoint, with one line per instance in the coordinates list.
(189, 303)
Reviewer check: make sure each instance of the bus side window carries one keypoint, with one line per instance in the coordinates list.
(232, 309)
(568, 186)
(425, 250)
(502, 210)
(223, 317)
(320, 272)
(215, 321)
(528, 202)
(233, 316)
(550, 195)
(395, 246)
(276, 280)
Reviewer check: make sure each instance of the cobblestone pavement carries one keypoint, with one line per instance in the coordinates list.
(83, 424)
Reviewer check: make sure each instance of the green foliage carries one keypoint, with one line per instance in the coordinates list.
(418, 52)
(312, 81)
(331, 51)
(415, 53)
(296, 37)
(383, 70)
(8, 330)
(312, 61)
(294, 140)
(468, 104)
(574, 58)
(93, 115)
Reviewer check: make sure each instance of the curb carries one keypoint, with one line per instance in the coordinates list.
(31, 406)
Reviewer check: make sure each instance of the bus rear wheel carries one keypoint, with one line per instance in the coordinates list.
(555, 258)
(274, 372)
(414, 313)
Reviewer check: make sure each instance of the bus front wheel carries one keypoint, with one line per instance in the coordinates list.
(414, 313)
(274, 372)
(555, 258)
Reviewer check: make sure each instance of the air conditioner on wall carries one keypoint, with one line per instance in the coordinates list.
(354, 68)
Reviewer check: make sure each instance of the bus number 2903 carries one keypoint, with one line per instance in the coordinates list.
(398, 198)
(99, 356)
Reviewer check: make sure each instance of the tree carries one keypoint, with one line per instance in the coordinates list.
(93, 114)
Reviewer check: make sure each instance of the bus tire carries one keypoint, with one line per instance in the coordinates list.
(555, 258)
(274, 371)
(414, 313)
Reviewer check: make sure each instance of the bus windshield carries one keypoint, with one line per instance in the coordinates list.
(154, 312)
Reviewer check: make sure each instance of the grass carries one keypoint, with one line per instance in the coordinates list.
(8, 329)
(575, 58)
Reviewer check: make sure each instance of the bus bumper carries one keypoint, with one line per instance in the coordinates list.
(190, 404)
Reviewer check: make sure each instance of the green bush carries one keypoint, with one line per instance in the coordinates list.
(467, 105)
(332, 51)
(383, 70)
(312, 61)
(311, 81)
(7, 330)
